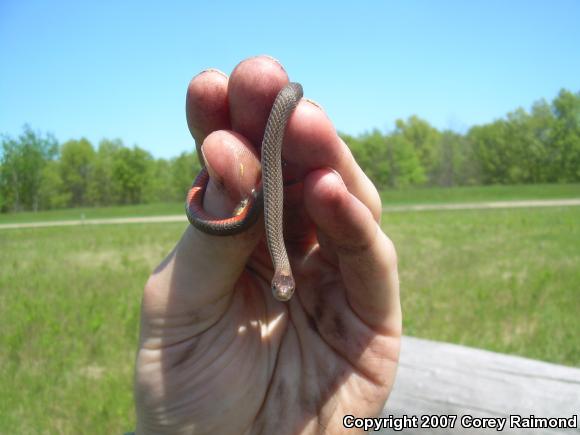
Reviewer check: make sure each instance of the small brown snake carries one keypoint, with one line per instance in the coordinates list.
(270, 197)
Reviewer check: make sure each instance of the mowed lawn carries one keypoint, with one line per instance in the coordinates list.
(505, 280)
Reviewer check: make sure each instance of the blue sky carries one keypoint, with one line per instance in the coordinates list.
(120, 69)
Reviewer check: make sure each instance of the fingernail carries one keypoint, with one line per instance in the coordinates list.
(212, 70)
(314, 103)
(267, 56)
(274, 59)
(337, 175)
(210, 170)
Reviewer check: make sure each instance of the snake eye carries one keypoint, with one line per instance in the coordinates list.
(283, 287)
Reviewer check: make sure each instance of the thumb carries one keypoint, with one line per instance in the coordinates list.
(234, 170)
(199, 275)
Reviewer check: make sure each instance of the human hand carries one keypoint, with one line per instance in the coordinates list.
(217, 353)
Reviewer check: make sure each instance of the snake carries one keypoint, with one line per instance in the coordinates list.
(269, 198)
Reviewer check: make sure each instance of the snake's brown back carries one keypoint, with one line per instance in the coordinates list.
(273, 186)
(272, 193)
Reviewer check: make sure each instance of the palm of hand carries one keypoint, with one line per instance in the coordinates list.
(268, 367)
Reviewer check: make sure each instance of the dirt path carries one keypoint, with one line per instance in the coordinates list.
(486, 205)
(104, 221)
(386, 209)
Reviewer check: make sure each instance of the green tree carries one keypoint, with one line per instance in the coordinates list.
(3, 199)
(162, 181)
(519, 148)
(404, 164)
(493, 151)
(53, 191)
(184, 168)
(22, 163)
(132, 168)
(566, 137)
(388, 160)
(102, 189)
(77, 159)
(454, 167)
(424, 138)
(540, 128)
(371, 152)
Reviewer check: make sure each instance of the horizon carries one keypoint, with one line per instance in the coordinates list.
(95, 143)
(121, 70)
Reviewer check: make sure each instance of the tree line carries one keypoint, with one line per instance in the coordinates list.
(38, 173)
(537, 146)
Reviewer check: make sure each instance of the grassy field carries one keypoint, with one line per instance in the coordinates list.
(157, 209)
(436, 195)
(504, 280)
(432, 195)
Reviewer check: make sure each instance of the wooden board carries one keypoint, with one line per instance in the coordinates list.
(444, 379)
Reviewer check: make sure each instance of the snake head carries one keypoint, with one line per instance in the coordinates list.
(283, 287)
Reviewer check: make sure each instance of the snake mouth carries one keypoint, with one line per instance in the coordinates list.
(283, 287)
